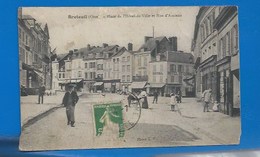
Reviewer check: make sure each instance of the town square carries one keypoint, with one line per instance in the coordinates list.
(129, 80)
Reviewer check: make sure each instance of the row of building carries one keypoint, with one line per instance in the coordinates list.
(155, 66)
(34, 53)
(216, 53)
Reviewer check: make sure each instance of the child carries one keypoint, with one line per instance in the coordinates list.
(215, 107)
(173, 101)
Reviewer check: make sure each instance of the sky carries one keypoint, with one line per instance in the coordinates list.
(118, 25)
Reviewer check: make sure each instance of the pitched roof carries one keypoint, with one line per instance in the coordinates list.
(180, 57)
(151, 43)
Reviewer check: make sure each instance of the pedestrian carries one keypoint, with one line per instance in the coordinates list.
(179, 95)
(207, 99)
(155, 97)
(173, 101)
(41, 92)
(70, 100)
(143, 97)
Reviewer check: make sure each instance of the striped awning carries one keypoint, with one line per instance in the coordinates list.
(98, 84)
(138, 85)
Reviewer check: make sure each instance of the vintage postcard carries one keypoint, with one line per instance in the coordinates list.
(124, 77)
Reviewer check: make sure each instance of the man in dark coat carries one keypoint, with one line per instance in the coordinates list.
(41, 92)
(155, 97)
(69, 101)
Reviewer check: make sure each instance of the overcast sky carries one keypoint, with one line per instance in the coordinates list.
(67, 33)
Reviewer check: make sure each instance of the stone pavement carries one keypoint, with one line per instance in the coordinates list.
(158, 126)
(30, 108)
(216, 125)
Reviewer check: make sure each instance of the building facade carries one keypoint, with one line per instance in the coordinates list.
(34, 54)
(215, 47)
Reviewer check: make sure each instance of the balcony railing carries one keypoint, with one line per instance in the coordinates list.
(140, 78)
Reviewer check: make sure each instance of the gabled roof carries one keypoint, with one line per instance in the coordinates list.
(150, 45)
(180, 57)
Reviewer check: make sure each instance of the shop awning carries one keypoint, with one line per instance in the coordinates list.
(38, 73)
(74, 80)
(157, 85)
(189, 78)
(138, 85)
(98, 84)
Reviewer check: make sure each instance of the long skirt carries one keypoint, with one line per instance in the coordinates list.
(145, 103)
(70, 113)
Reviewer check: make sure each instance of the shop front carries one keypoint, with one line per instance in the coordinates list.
(225, 86)
(209, 75)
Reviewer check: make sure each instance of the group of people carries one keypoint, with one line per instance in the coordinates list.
(175, 98)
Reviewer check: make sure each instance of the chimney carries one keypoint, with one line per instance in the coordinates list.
(130, 47)
(173, 43)
(105, 45)
(157, 49)
(88, 47)
(146, 38)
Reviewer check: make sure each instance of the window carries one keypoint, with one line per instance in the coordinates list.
(172, 78)
(123, 60)
(161, 67)
(123, 78)
(123, 68)
(228, 44)
(117, 59)
(59, 75)
(180, 79)
(128, 58)
(224, 47)
(128, 78)
(139, 61)
(128, 68)
(86, 65)
(63, 75)
(154, 78)
(220, 48)
(145, 73)
(234, 40)
(86, 75)
(172, 68)
(79, 74)
(154, 68)
(202, 32)
(114, 60)
(207, 28)
(145, 61)
(161, 79)
(180, 68)
(187, 69)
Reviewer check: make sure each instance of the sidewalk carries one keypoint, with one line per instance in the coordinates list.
(30, 107)
(216, 125)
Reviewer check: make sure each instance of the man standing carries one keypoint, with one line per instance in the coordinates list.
(207, 98)
(41, 92)
(69, 101)
(155, 97)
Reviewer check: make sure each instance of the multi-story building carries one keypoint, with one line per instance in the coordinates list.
(228, 84)
(168, 72)
(215, 47)
(34, 53)
(61, 71)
